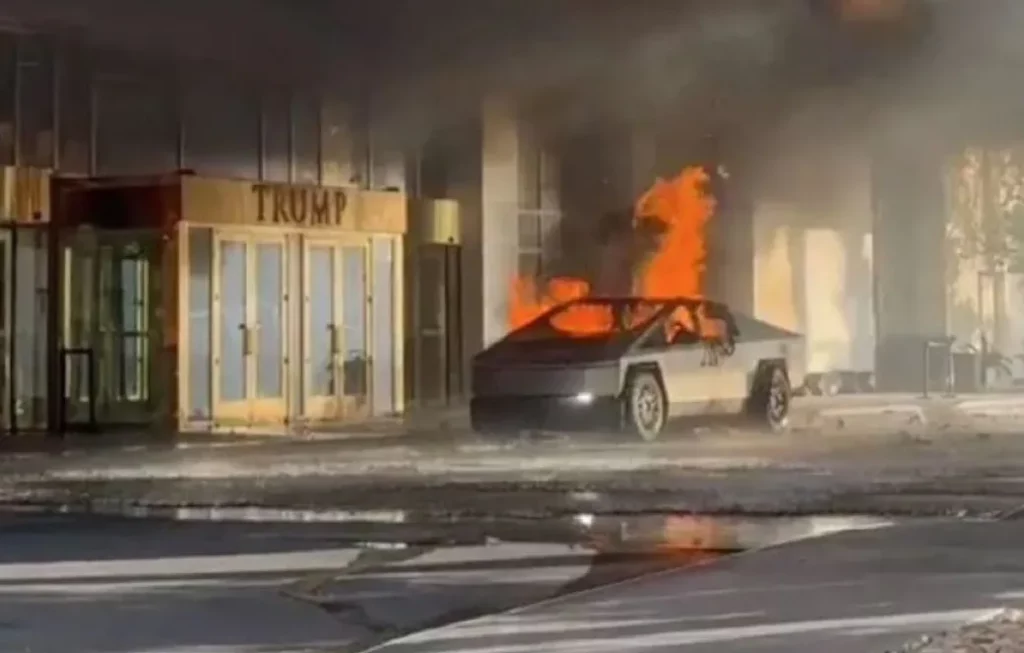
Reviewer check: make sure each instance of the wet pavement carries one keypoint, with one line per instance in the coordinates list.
(867, 591)
(904, 469)
(93, 585)
(73, 583)
(328, 545)
(902, 474)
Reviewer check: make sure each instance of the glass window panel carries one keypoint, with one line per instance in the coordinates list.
(28, 364)
(130, 297)
(200, 291)
(321, 321)
(269, 320)
(8, 77)
(222, 125)
(36, 106)
(529, 230)
(529, 265)
(383, 327)
(30, 328)
(354, 321)
(361, 158)
(233, 320)
(134, 344)
(75, 109)
(338, 144)
(136, 130)
(388, 162)
(435, 168)
(529, 171)
(129, 346)
(277, 137)
(306, 139)
(549, 181)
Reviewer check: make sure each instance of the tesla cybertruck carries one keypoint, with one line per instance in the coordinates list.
(631, 364)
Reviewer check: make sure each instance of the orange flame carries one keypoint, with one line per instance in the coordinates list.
(683, 207)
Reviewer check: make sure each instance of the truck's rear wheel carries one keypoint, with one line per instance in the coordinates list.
(770, 401)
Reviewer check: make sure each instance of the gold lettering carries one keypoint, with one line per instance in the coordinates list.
(280, 207)
(297, 202)
(282, 204)
(261, 191)
(340, 204)
(319, 208)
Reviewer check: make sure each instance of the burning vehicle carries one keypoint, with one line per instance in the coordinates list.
(630, 364)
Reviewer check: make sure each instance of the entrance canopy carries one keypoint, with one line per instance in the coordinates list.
(233, 303)
(159, 202)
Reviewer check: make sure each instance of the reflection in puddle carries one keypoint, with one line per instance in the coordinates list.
(687, 532)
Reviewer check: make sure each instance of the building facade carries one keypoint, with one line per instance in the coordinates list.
(186, 246)
(191, 244)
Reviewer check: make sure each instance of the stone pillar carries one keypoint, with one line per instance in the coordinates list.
(498, 227)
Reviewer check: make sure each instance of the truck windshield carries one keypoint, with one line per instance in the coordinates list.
(591, 319)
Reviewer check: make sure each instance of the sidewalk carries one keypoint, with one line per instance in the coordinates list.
(424, 429)
(438, 428)
(859, 454)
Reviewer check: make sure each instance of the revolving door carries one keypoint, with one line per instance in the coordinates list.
(111, 363)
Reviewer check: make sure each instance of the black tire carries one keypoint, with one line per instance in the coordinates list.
(646, 406)
(771, 399)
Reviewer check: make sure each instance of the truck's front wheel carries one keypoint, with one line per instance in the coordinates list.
(646, 406)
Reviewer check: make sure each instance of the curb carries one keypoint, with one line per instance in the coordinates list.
(917, 412)
(1009, 406)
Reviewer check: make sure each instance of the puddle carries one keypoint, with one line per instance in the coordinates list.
(712, 533)
(603, 532)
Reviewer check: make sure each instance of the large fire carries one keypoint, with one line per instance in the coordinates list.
(681, 207)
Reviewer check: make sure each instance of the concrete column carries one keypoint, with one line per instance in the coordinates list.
(729, 275)
(499, 197)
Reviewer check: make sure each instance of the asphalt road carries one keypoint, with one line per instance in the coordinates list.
(100, 585)
(856, 592)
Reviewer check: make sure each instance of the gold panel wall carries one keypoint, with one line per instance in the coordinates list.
(223, 201)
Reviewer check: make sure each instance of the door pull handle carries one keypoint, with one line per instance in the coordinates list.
(335, 339)
(246, 339)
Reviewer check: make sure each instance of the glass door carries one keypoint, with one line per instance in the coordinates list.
(335, 353)
(249, 317)
(112, 334)
(125, 331)
(6, 378)
(267, 314)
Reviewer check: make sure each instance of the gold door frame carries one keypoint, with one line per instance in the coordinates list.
(250, 408)
(235, 410)
(337, 406)
(7, 419)
(267, 409)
